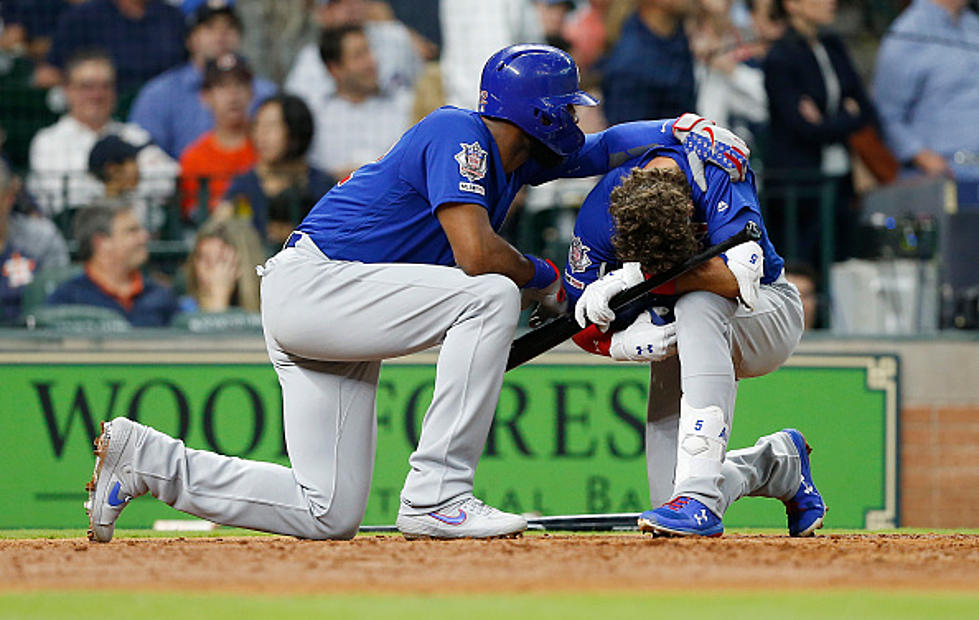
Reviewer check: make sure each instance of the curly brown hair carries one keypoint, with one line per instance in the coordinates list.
(652, 210)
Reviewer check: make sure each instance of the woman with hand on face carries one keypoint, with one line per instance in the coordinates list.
(220, 270)
(816, 103)
(282, 132)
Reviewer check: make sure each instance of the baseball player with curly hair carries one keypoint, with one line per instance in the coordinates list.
(734, 317)
(398, 257)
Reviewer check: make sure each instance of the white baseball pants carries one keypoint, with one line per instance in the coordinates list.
(719, 342)
(328, 324)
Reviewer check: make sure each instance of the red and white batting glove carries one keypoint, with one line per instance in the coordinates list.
(705, 141)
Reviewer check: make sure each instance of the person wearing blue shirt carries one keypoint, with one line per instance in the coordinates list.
(734, 317)
(649, 73)
(169, 106)
(143, 37)
(926, 73)
(400, 256)
(113, 247)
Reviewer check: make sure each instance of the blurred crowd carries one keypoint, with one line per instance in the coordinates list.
(169, 146)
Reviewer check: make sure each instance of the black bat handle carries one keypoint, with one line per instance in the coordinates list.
(553, 333)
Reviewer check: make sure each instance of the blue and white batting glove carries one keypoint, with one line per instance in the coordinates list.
(705, 141)
(747, 263)
(644, 341)
(593, 305)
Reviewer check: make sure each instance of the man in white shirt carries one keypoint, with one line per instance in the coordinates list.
(359, 122)
(59, 176)
(398, 62)
(472, 30)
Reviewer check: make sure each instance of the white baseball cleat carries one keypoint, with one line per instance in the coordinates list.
(465, 517)
(114, 482)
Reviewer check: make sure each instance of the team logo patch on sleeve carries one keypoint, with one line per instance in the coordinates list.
(472, 165)
(578, 255)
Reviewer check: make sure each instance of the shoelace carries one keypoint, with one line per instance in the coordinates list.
(476, 506)
(677, 504)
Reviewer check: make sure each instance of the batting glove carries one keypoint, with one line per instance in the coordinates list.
(551, 300)
(747, 263)
(703, 140)
(593, 304)
(643, 341)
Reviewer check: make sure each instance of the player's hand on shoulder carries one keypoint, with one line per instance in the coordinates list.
(644, 341)
(747, 263)
(705, 141)
(593, 305)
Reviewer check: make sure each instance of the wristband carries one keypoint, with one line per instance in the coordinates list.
(544, 272)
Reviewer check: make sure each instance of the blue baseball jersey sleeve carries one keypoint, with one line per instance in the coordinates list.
(723, 210)
(385, 211)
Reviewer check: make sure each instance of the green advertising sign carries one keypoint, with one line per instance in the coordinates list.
(567, 439)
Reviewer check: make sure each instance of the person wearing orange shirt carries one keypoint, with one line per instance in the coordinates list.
(208, 165)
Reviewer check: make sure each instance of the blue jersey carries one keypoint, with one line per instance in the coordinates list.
(385, 211)
(722, 211)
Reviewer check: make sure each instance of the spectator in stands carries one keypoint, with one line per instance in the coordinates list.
(804, 277)
(398, 63)
(472, 31)
(282, 132)
(816, 103)
(553, 19)
(59, 154)
(170, 105)
(926, 74)
(585, 31)
(730, 81)
(273, 32)
(28, 244)
(113, 161)
(143, 37)
(221, 268)
(357, 123)
(113, 247)
(649, 73)
(225, 151)
(29, 24)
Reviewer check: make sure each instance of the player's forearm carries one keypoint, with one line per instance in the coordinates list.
(713, 276)
(493, 254)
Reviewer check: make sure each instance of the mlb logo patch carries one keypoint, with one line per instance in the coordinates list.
(472, 161)
(578, 255)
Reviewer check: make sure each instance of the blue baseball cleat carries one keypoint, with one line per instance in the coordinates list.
(684, 516)
(806, 510)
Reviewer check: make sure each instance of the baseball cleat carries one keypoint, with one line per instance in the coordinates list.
(806, 510)
(467, 517)
(113, 482)
(683, 516)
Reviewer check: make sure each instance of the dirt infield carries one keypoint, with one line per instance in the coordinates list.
(534, 563)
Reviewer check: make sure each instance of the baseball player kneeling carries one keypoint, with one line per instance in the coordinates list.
(734, 317)
(400, 256)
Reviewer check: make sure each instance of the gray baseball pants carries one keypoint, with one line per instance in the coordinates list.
(328, 324)
(719, 342)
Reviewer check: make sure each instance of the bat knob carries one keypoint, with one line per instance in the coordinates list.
(753, 231)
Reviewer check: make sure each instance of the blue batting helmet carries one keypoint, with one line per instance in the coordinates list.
(533, 86)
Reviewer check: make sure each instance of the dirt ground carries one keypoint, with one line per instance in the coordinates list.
(534, 563)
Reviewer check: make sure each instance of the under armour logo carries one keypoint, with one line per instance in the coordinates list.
(701, 517)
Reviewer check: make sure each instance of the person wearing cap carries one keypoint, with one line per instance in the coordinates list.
(113, 161)
(143, 38)
(170, 106)
(59, 154)
(227, 150)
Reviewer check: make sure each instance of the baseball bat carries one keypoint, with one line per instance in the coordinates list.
(553, 333)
